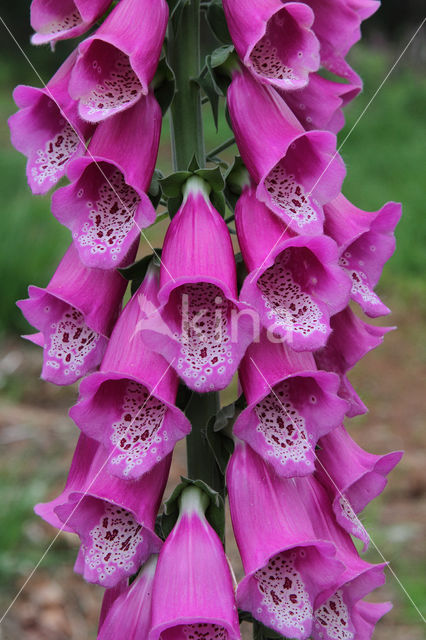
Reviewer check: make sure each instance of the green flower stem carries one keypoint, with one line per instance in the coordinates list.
(186, 117)
(201, 461)
(225, 145)
(188, 141)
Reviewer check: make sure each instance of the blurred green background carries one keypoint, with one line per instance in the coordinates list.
(385, 157)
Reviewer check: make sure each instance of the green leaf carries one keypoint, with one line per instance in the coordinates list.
(164, 85)
(260, 632)
(215, 512)
(207, 84)
(193, 165)
(217, 21)
(172, 185)
(220, 55)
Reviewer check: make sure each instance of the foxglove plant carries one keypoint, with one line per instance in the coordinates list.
(278, 313)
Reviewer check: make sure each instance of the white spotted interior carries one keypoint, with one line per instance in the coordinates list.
(71, 341)
(51, 160)
(114, 542)
(283, 427)
(290, 196)
(204, 337)
(138, 431)
(120, 87)
(332, 619)
(288, 305)
(284, 594)
(360, 283)
(349, 514)
(110, 218)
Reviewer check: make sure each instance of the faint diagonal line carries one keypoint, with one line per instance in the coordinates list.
(373, 97)
(88, 152)
(82, 497)
(343, 497)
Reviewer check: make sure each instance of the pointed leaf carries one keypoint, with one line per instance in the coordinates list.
(172, 185)
(213, 177)
(165, 85)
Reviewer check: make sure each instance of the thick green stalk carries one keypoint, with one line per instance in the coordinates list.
(187, 142)
(201, 461)
(186, 118)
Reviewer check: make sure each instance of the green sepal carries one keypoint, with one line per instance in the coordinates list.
(215, 512)
(164, 85)
(218, 201)
(217, 21)
(213, 177)
(173, 205)
(193, 165)
(211, 81)
(235, 178)
(155, 191)
(136, 272)
(172, 185)
(221, 443)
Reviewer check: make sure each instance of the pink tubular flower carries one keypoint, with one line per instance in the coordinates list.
(351, 340)
(117, 63)
(128, 405)
(366, 241)
(201, 328)
(127, 612)
(53, 20)
(355, 483)
(75, 314)
(274, 40)
(294, 282)
(193, 595)
(337, 27)
(287, 565)
(340, 612)
(296, 171)
(319, 105)
(106, 205)
(290, 406)
(114, 518)
(47, 129)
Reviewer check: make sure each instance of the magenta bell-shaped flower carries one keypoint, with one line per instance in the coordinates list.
(201, 328)
(114, 518)
(339, 611)
(290, 406)
(47, 128)
(106, 206)
(351, 340)
(352, 484)
(53, 20)
(128, 405)
(337, 27)
(193, 594)
(320, 104)
(274, 40)
(75, 315)
(116, 64)
(296, 171)
(126, 610)
(287, 565)
(366, 241)
(294, 282)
